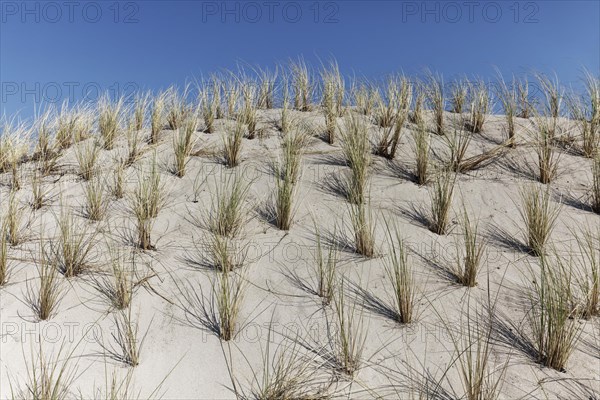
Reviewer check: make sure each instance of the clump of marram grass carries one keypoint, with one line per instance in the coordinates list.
(386, 105)
(400, 274)
(441, 201)
(133, 143)
(13, 220)
(232, 143)
(223, 253)
(87, 155)
(592, 85)
(547, 156)
(39, 193)
(229, 214)
(249, 112)
(45, 152)
(118, 180)
(146, 201)
(283, 208)
(469, 259)
(302, 84)
(350, 334)
(4, 264)
(108, 120)
(595, 189)
(228, 290)
(293, 146)
(209, 110)
(390, 137)
(588, 276)
(217, 84)
(587, 122)
(44, 299)
(66, 120)
(509, 100)
(357, 152)
(325, 269)
(266, 91)
(416, 115)
(422, 152)
(457, 143)
(183, 144)
(479, 105)
(364, 97)
(157, 117)
(434, 92)
(363, 227)
(332, 101)
(14, 145)
(177, 109)
(539, 216)
(118, 285)
(140, 109)
(554, 331)
(472, 343)
(553, 95)
(458, 95)
(72, 249)
(127, 346)
(96, 199)
(524, 106)
(286, 123)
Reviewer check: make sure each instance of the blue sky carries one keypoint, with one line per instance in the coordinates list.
(54, 50)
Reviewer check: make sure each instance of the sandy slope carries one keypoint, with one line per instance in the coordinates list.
(193, 359)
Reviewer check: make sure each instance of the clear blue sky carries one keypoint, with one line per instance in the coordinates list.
(52, 50)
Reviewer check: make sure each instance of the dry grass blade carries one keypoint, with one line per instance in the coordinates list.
(293, 147)
(118, 183)
(128, 346)
(539, 216)
(140, 108)
(176, 108)
(524, 107)
(118, 286)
